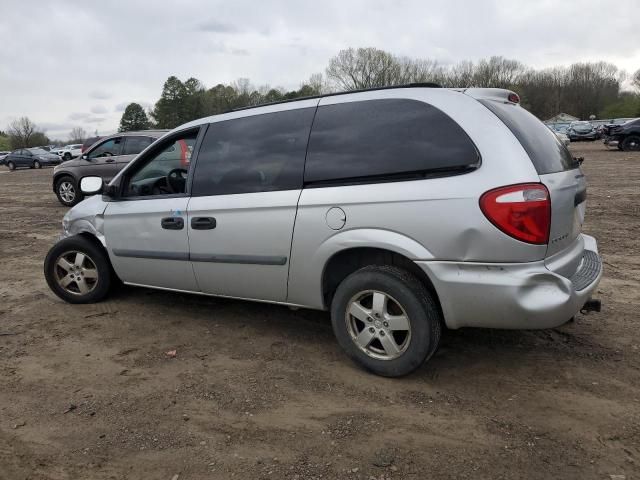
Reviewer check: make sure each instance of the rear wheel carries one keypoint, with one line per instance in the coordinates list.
(631, 144)
(78, 271)
(11, 165)
(37, 164)
(67, 191)
(386, 320)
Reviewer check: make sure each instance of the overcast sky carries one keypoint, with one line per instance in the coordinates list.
(79, 63)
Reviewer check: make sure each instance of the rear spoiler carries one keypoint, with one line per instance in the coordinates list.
(496, 94)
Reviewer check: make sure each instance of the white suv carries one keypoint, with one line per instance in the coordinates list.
(70, 151)
(400, 210)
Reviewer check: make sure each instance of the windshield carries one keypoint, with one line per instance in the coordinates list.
(38, 151)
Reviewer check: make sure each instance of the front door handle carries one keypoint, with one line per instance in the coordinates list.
(203, 223)
(172, 223)
(110, 160)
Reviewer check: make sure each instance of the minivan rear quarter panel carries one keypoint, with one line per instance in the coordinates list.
(441, 215)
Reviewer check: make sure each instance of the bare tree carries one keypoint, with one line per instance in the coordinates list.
(354, 69)
(635, 80)
(77, 135)
(21, 132)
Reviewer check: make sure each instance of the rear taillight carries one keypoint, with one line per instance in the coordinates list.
(521, 211)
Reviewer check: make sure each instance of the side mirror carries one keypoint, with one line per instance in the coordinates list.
(91, 185)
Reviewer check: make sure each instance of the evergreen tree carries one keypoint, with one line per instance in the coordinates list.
(133, 118)
(170, 110)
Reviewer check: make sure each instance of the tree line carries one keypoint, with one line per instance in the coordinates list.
(23, 133)
(580, 89)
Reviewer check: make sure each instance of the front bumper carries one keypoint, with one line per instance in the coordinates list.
(514, 295)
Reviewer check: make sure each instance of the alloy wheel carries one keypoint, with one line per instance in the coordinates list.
(67, 191)
(76, 273)
(378, 325)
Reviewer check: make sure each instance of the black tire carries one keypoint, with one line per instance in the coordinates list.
(37, 164)
(96, 257)
(63, 193)
(11, 165)
(407, 292)
(66, 156)
(631, 143)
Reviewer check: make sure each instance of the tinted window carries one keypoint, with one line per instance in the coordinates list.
(110, 148)
(134, 145)
(547, 152)
(260, 153)
(385, 138)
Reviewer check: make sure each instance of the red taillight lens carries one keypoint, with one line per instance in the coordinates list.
(513, 98)
(521, 211)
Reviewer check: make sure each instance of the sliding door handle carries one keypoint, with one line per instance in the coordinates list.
(203, 223)
(172, 223)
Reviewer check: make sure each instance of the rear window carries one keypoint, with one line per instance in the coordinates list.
(384, 139)
(545, 150)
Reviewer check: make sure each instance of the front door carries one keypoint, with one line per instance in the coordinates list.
(246, 185)
(146, 225)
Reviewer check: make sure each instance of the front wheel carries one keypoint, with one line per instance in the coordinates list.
(37, 164)
(11, 165)
(67, 191)
(631, 144)
(78, 271)
(386, 320)
(67, 156)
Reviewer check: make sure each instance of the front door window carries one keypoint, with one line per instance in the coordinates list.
(165, 170)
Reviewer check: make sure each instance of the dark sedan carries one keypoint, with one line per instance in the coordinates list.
(582, 131)
(30, 158)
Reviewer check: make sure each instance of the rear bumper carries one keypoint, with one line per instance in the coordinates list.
(513, 296)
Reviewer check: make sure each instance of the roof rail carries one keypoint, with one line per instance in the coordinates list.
(311, 97)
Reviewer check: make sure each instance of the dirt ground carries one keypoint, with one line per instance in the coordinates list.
(263, 392)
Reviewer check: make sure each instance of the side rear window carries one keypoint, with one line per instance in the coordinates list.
(259, 153)
(387, 138)
(547, 153)
(134, 145)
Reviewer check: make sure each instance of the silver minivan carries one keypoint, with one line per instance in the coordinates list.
(402, 211)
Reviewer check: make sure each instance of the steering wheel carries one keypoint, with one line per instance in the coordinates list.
(176, 180)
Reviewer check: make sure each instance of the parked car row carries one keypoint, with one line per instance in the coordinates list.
(623, 133)
(399, 210)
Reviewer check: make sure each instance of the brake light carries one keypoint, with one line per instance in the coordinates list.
(513, 98)
(521, 211)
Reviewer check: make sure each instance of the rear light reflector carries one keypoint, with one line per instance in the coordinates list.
(521, 211)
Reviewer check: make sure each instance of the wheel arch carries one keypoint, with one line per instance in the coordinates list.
(59, 175)
(346, 261)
